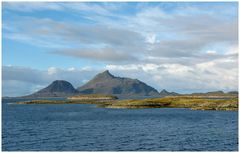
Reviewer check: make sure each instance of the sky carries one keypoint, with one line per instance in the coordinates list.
(178, 46)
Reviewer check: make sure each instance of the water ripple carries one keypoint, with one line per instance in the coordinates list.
(86, 128)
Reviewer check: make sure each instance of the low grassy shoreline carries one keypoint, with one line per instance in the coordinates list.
(89, 101)
(178, 102)
(194, 103)
(93, 97)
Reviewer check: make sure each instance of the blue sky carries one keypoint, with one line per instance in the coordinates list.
(183, 47)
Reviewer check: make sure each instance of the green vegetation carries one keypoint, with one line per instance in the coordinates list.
(92, 96)
(43, 102)
(63, 102)
(195, 103)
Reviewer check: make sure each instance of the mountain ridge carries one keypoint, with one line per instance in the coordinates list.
(106, 83)
(164, 93)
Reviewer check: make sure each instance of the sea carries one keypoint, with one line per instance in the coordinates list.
(83, 127)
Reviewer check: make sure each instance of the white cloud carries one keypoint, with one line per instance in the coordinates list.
(151, 31)
(232, 50)
(18, 81)
(188, 48)
(149, 67)
(211, 52)
(71, 69)
(87, 68)
(52, 70)
(31, 6)
(122, 67)
(99, 54)
(85, 81)
(220, 74)
(151, 38)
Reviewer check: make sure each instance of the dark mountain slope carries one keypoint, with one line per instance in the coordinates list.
(58, 88)
(106, 83)
(164, 93)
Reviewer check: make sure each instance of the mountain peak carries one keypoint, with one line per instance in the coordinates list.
(59, 82)
(167, 93)
(216, 92)
(106, 83)
(58, 88)
(104, 75)
(106, 72)
(164, 91)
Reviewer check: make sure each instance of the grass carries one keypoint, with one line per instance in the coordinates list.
(195, 103)
(42, 102)
(178, 102)
(64, 102)
(93, 96)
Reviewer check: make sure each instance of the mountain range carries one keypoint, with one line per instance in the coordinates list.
(166, 93)
(102, 83)
(106, 83)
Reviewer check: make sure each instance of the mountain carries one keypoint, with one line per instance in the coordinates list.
(211, 93)
(215, 93)
(106, 83)
(233, 92)
(58, 88)
(164, 93)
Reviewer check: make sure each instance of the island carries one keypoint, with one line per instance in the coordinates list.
(194, 103)
(93, 97)
(77, 99)
(182, 101)
(104, 89)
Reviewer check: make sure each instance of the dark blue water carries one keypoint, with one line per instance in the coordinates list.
(79, 127)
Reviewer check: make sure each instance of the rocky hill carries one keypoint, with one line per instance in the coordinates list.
(164, 93)
(58, 88)
(106, 83)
